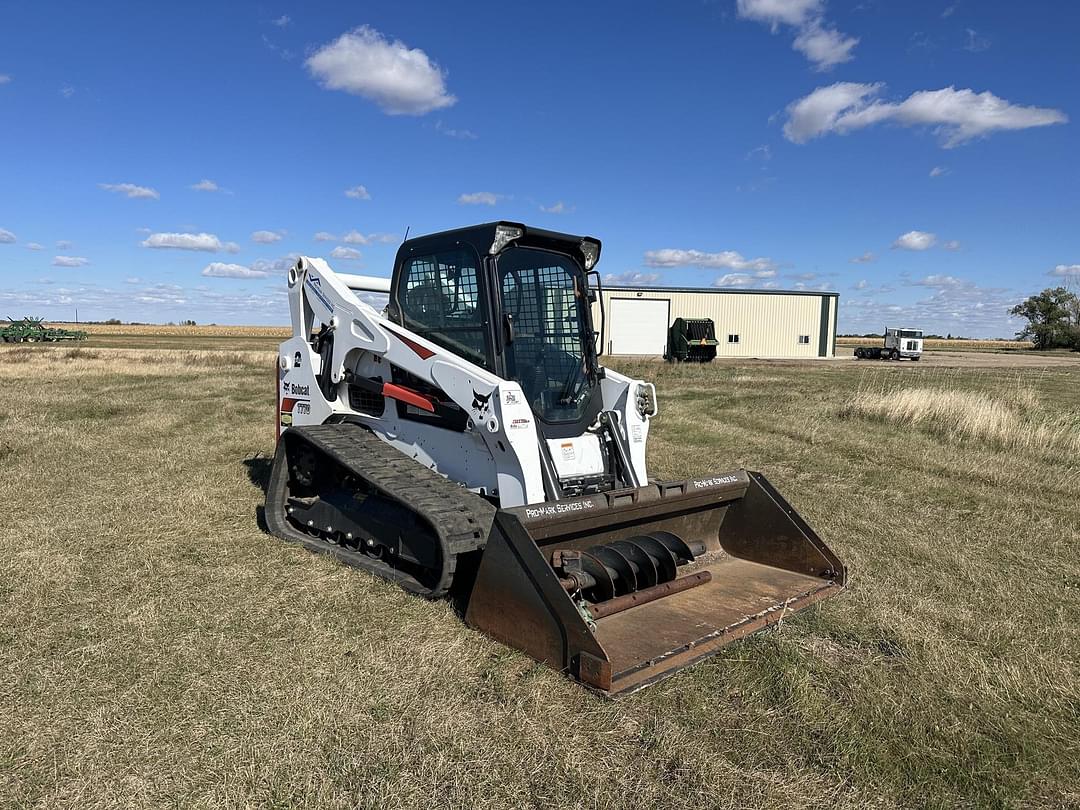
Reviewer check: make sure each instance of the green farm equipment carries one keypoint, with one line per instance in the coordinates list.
(34, 330)
(693, 340)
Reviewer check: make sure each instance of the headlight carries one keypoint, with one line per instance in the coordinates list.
(504, 235)
(591, 252)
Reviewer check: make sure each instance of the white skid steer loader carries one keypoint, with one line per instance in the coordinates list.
(470, 429)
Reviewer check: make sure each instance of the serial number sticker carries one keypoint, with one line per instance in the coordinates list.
(567, 449)
(558, 508)
(635, 433)
(706, 483)
(520, 423)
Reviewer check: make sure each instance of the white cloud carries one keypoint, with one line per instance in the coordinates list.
(949, 11)
(865, 258)
(67, 91)
(275, 266)
(952, 244)
(976, 42)
(762, 153)
(63, 244)
(131, 190)
(354, 238)
(861, 284)
(5, 78)
(478, 198)
(938, 171)
(774, 12)
(70, 261)
(357, 193)
(955, 305)
(558, 208)
(6, 237)
(940, 282)
(915, 240)
(957, 115)
(632, 278)
(815, 39)
(29, 245)
(734, 280)
(727, 259)
(346, 253)
(1066, 271)
(399, 79)
(206, 242)
(284, 53)
(282, 21)
(133, 280)
(266, 237)
(323, 236)
(155, 303)
(825, 47)
(462, 134)
(224, 270)
(206, 185)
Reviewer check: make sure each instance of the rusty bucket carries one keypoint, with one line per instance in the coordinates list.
(624, 588)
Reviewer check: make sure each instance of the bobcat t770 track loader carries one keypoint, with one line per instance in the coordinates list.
(470, 429)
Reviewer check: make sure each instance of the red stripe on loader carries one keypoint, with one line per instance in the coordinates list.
(407, 395)
(421, 352)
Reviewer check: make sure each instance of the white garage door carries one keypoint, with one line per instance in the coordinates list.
(637, 326)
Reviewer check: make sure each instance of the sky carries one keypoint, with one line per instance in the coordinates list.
(165, 162)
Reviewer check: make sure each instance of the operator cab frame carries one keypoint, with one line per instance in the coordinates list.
(514, 300)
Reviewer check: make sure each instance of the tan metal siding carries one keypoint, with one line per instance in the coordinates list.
(768, 324)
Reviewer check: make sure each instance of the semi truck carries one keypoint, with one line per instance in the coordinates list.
(897, 343)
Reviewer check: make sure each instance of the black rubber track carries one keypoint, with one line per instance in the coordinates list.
(461, 519)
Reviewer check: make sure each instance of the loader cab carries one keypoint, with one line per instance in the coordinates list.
(514, 300)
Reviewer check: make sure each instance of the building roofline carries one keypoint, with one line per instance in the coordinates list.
(716, 290)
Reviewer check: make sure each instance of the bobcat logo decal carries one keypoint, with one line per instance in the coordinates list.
(480, 402)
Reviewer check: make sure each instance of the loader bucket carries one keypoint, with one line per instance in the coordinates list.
(622, 589)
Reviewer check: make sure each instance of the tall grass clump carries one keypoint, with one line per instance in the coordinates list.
(1014, 418)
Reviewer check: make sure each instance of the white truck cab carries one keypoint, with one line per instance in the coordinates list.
(898, 342)
(907, 342)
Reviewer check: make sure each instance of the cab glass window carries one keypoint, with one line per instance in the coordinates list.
(440, 299)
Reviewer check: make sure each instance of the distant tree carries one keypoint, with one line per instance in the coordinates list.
(1053, 319)
(113, 322)
(188, 323)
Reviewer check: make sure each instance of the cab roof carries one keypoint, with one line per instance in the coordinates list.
(481, 237)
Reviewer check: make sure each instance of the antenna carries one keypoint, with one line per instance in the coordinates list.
(405, 238)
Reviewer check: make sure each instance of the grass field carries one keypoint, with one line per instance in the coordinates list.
(952, 345)
(158, 649)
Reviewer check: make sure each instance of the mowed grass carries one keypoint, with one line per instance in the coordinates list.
(158, 649)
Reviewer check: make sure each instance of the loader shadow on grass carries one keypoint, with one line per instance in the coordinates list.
(258, 471)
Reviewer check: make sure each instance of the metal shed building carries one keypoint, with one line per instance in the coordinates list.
(749, 323)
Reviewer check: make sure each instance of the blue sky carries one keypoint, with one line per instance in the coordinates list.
(162, 162)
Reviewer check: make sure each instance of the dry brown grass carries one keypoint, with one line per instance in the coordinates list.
(162, 330)
(1012, 418)
(933, 343)
(158, 650)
